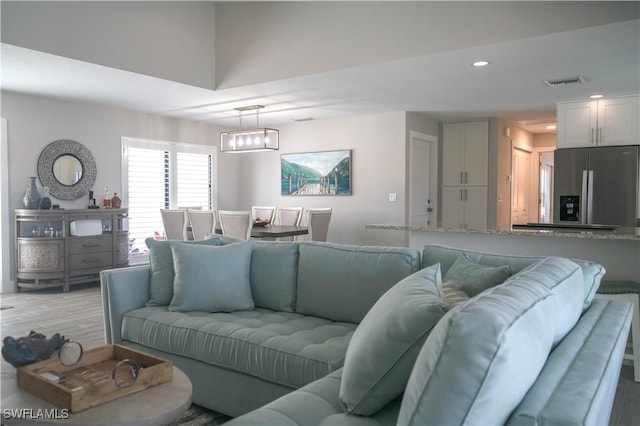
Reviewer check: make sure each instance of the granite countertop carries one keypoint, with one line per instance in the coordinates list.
(617, 234)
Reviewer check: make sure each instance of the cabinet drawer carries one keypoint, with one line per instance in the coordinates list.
(90, 245)
(90, 260)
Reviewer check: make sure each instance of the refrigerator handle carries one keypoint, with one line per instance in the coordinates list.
(590, 198)
(583, 197)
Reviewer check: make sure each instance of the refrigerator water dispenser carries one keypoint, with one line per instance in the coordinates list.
(570, 207)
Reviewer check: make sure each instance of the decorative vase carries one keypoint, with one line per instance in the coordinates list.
(31, 199)
(45, 201)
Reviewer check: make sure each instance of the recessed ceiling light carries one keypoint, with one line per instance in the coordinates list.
(596, 96)
(551, 127)
(480, 63)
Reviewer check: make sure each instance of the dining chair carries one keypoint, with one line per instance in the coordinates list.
(235, 224)
(318, 222)
(263, 212)
(175, 223)
(202, 222)
(288, 216)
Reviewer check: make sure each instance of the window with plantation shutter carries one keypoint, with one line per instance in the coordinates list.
(162, 175)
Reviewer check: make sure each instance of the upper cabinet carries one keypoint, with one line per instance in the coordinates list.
(601, 122)
(465, 154)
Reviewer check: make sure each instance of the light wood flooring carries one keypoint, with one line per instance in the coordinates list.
(77, 315)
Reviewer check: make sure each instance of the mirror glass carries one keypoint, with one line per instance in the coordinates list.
(67, 169)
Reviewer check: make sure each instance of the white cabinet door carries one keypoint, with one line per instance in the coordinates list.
(453, 207)
(577, 123)
(464, 207)
(475, 207)
(603, 122)
(453, 154)
(476, 153)
(619, 121)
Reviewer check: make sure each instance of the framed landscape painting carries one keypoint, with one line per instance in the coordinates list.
(316, 173)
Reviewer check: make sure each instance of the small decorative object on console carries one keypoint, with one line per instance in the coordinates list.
(116, 201)
(29, 349)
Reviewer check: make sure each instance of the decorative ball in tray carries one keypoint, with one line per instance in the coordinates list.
(261, 222)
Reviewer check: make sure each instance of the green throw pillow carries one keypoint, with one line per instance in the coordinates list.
(161, 264)
(474, 278)
(212, 279)
(386, 343)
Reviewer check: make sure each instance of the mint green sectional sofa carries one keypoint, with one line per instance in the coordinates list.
(327, 334)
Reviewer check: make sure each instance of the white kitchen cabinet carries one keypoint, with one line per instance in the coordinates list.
(464, 207)
(465, 165)
(465, 154)
(602, 122)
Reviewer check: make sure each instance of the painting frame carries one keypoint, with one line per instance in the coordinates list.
(316, 173)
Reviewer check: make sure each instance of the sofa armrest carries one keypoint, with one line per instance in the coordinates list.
(123, 290)
(578, 383)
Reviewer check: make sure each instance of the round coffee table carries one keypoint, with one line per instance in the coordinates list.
(157, 405)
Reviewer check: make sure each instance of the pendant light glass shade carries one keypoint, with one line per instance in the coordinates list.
(258, 139)
(264, 139)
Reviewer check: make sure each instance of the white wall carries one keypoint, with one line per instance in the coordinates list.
(33, 122)
(378, 145)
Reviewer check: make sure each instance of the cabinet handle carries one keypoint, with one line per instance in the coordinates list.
(466, 177)
(461, 197)
(593, 136)
(90, 245)
(90, 260)
(465, 195)
(461, 177)
(600, 140)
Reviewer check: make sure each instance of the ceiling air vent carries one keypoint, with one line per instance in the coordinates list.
(564, 81)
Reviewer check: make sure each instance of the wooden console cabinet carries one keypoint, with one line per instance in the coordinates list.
(47, 255)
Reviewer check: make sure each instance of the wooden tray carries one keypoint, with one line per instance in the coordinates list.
(89, 382)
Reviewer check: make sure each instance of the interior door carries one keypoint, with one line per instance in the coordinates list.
(422, 183)
(520, 169)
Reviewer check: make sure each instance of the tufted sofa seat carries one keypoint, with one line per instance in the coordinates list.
(283, 347)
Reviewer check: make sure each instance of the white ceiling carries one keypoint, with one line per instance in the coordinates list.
(443, 85)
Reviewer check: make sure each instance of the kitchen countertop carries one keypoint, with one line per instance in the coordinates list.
(622, 233)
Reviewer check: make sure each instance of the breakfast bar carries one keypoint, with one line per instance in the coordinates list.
(617, 250)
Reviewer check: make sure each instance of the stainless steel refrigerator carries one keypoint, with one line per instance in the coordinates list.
(596, 185)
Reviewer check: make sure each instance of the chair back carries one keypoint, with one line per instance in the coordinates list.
(235, 224)
(263, 212)
(288, 216)
(318, 222)
(175, 223)
(202, 222)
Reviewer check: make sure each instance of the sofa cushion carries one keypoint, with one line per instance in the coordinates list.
(281, 347)
(445, 256)
(162, 273)
(274, 270)
(211, 278)
(315, 404)
(474, 278)
(385, 345)
(342, 282)
(483, 356)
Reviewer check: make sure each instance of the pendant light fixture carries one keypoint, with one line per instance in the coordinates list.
(258, 139)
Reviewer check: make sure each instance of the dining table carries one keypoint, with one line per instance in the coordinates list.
(278, 231)
(275, 231)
